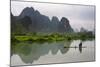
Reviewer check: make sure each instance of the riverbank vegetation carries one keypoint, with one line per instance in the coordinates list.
(40, 37)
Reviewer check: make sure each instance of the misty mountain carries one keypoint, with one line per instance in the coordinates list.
(31, 20)
(64, 25)
(54, 24)
(21, 25)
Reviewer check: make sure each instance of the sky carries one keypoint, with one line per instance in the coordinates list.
(78, 15)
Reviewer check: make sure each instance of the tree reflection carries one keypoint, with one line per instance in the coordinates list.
(29, 52)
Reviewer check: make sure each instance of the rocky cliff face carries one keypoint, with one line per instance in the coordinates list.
(64, 25)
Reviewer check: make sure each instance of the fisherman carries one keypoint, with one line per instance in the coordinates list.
(80, 47)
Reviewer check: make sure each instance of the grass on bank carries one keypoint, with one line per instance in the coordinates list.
(52, 37)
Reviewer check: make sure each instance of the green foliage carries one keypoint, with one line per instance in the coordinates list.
(34, 37)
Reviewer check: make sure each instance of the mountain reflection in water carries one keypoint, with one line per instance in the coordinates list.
(29, 52)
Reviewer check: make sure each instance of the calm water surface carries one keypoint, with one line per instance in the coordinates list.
(27, 53)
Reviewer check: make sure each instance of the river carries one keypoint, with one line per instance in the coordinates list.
(28, 53)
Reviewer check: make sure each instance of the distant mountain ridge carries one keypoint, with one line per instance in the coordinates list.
(31, 20)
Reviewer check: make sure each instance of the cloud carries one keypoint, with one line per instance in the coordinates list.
(88, 13)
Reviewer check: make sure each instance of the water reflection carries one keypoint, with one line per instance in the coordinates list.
(29, 52)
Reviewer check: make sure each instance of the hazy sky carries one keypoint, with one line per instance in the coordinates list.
(78, 15)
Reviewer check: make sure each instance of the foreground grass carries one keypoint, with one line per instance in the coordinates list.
(52, 37)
